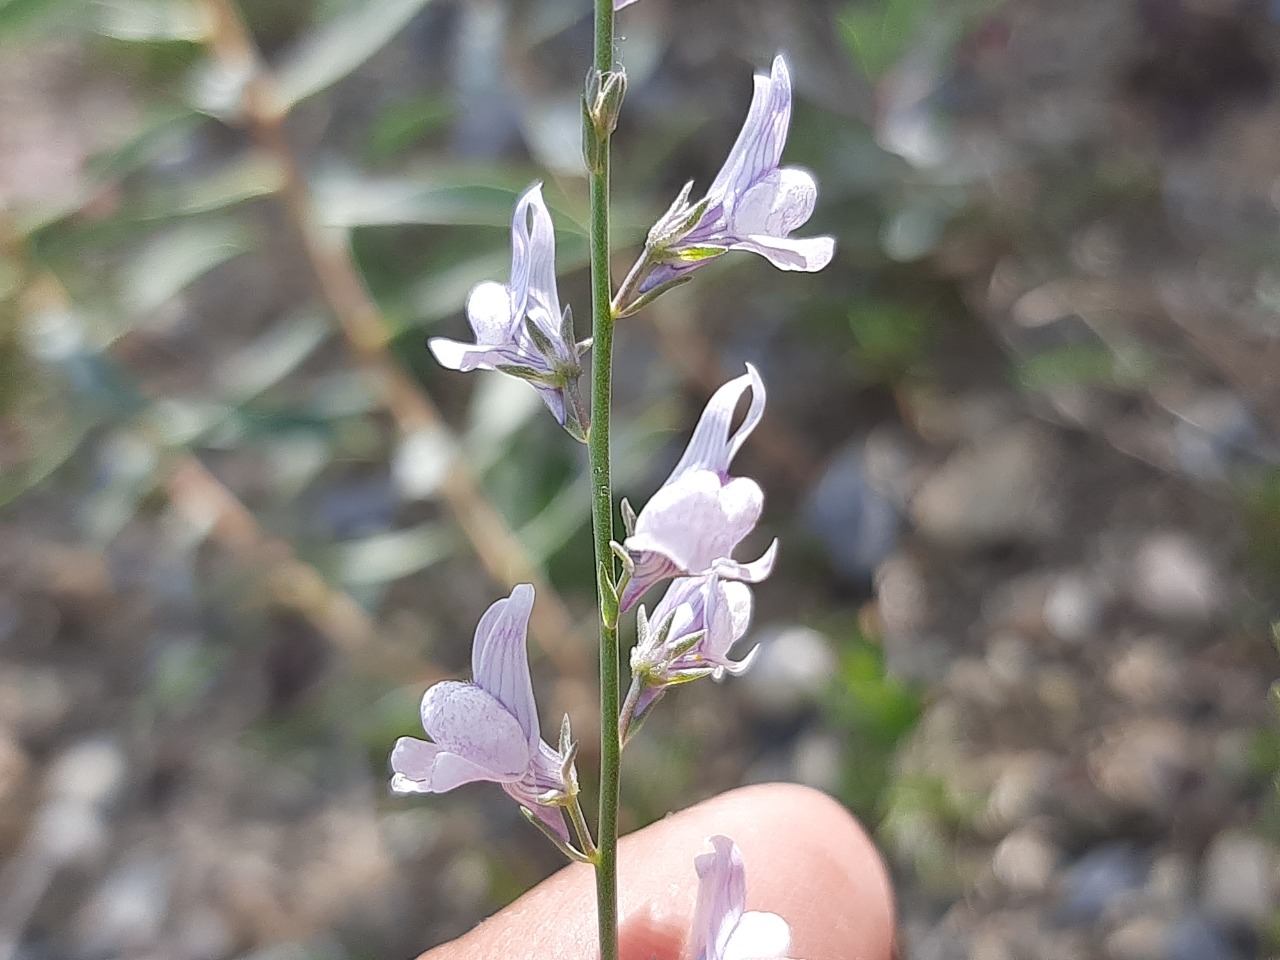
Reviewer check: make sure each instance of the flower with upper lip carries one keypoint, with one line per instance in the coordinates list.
(753, 204)
(519, 326)
(723, 929)
(488, 729)
(692, 524)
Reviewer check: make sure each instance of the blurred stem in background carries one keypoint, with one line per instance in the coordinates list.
(362, 324)
(604, 97)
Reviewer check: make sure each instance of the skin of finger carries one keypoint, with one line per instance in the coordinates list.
(807, 859)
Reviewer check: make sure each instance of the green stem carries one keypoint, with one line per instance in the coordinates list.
(602, 516)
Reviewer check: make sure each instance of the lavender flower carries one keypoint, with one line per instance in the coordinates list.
(691, 526)
(689, 635)
(619, 4)
(519, 327)
(488, 729)
(721, 928)
(753, 204)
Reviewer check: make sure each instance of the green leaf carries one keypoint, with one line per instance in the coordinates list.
(17, 15)
(149, 20)
(389, 556)
(247, 177)
(878, 34)
(338, 47)
(273, 356)
(176, 258)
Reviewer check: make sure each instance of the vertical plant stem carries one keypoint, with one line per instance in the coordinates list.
(602, 513)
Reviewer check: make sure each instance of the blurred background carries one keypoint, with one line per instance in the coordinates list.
(1021, 450)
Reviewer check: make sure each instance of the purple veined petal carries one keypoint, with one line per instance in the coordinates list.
(729, 606)
(696, 520)
(554, 400)
(542, 301)
(775, 205)
(470, 723)
(758, 936)
(552, 816)
(722, 897)
(711, 447)
(806, 254)
(758, 148)
(650, 567)
(500, 659)
(479, 356)
(752, 572)
(491, 312)
(421, 767)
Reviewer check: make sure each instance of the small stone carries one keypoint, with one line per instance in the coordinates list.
(998, 490)
(1139, 764)
(1142, 938)
(1010, 658)
(1173, 580)
(857, 521)
(1020, 786)
(1193, 937)
(1171, 880)
(1095, 882)
(818, 760)
(125, 914)
(913, 651)
(1236, 878)
(1144, 674)
(1024, 861)
(91, 772)
(793, 668)
(1073, 607)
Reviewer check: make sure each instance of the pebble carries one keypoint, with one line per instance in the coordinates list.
(1096, 881)
(818, 760)
(1141, 938)
(856, 521)
(1073, 607)
(998, 490)
(1144, 674)
(1193, 937)
(125, 914)
(1139, 763)
(793, 669)
(1024, 861)
(913, 651)
(1237, 878)
(1173, 580)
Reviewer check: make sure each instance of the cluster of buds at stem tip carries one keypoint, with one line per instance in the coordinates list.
(519, 326)
(601, 106)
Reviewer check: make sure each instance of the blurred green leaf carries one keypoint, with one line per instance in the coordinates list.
(891, 337)
(388, 556)
(402, 124)
(16, 15)
(174, 259)
(163, 130)
(273, 356)
(148, 20)
(878, 34)
(247, 177)
(440, 198)
(1086, 364)
(338, 47)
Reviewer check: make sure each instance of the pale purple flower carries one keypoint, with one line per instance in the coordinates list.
(487, 729)
(753, 203)
(689, 635)
(691, 526)
(619, 4)
(519, 326)
(723, 929)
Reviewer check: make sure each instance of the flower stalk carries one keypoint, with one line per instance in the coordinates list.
(597, 132)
